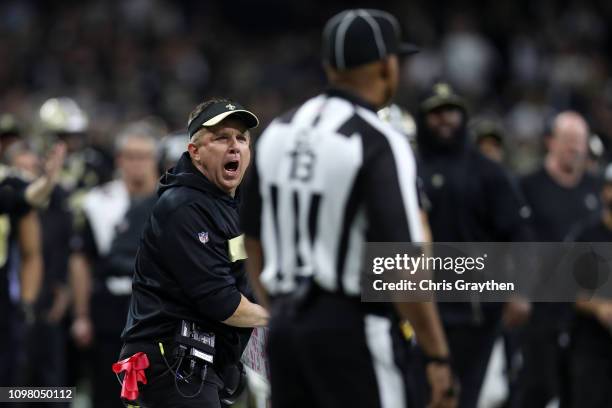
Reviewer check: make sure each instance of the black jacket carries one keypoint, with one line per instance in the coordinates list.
(472, 199)
(183, 268)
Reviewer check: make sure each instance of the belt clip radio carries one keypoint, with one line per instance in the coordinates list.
(195, 344)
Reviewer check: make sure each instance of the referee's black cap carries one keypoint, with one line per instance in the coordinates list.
(359, 36)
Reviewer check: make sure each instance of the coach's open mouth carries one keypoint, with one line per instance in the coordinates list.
(231, 167)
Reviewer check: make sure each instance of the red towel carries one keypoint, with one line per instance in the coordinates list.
(134, 367)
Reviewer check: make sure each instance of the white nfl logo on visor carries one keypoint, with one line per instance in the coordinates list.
(203, 237)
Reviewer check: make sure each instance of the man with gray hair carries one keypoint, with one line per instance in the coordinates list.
(104, 249)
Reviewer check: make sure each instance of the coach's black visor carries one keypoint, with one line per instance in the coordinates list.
(218, 111)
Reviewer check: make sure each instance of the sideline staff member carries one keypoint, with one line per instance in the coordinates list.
(20, 225)
(563, 178)
(328, 177)
(591, 354)
(189, 266)
(35, 194)
(472, 199)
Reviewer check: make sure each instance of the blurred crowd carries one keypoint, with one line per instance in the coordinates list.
(516, 62)
(66, 260)
(114, 79)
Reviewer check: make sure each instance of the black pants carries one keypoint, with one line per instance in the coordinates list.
(160, 390)
(41, 360)
(106, 347)
(330, 354)
(471, 348)
(544, 375)
(105, 387)
(591, 364)
(8, 356)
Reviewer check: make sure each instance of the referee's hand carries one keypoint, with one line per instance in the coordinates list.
(444, 391)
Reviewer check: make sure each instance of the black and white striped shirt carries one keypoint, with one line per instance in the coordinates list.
(326, 178)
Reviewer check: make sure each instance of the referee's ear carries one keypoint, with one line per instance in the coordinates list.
(386, 68)
(332, 74)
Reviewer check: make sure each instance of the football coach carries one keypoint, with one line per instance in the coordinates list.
(191, 312)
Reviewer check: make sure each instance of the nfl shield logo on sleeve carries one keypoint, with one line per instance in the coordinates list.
(203, 237)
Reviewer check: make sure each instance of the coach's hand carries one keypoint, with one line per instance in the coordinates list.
(444, 390)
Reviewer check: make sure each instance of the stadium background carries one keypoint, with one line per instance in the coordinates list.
(515, 61)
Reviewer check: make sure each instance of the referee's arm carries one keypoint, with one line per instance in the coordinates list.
(385, 175)
(390, 221)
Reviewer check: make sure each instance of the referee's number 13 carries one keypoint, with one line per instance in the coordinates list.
(302, 162)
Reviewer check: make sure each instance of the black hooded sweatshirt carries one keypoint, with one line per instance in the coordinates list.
(472, 199)
(185, 268)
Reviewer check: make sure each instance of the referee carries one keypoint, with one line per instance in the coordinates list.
(327, 177)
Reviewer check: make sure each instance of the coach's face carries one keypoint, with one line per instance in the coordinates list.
(222, 153)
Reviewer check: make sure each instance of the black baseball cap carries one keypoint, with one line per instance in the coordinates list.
(487, 129)
(217, 111)
(441, 94)
(359, 36)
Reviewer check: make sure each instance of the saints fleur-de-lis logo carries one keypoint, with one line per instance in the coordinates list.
(442, 89)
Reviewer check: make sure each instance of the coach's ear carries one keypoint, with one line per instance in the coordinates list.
(196, 141)
(193, 151)
(193, 147)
